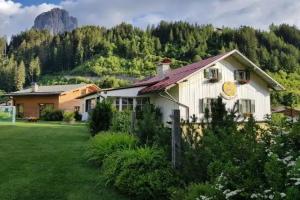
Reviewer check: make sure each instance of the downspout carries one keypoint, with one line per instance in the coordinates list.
(171, 98)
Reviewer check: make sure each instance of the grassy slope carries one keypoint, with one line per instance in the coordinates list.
(44, 161)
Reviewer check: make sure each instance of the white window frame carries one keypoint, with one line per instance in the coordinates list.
(214, 75)
(238, 77)
(206, 103)
(246, 106)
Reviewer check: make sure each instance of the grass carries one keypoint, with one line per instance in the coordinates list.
(5, 116)
(45, 161)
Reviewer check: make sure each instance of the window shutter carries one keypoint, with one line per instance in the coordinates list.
(205, 105)
(201, 105)
(205, 73)
(240, 108)
(252, 106)
(235, 74)
(247, 75)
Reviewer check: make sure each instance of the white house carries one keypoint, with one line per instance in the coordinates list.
(191, 88)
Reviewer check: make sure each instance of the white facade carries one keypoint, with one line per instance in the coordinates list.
(197, 87)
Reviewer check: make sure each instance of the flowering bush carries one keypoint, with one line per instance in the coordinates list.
(244, 162)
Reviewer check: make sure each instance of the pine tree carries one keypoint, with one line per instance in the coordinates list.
(19, 76)
(34, 70)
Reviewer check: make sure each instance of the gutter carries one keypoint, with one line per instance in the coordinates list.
(171, 98)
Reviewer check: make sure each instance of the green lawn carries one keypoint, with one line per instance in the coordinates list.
(45, 161)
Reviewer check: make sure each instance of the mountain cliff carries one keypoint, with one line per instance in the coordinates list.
(55, 21)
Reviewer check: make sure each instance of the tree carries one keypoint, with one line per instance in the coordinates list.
(100, 117)
(34, 70)
(289, 100)
(19, 76)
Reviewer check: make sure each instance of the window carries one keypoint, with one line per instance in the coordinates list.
(76, 108)
(140, 102)
(127, 103)
(242, 76)
(20, 110)
(44, 106)
(117, 103)
(246, 106)
(88, 105)
(213, 74)
(206, 104)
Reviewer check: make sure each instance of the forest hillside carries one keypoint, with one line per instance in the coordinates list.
(125, 51)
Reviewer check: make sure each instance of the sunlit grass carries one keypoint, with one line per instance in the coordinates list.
(44, 161)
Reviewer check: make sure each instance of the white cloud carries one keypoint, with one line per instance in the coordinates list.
(258, 13)
(15, 18)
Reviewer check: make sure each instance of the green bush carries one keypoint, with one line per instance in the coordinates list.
(77, 116)
(69, 116)
(50, 114)
(140, 173)
(149, 124)
(5, 116)
(105, 143)
(197, 191)
(121, 122)
(100, 117)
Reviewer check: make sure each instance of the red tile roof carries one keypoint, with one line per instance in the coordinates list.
(158, 83)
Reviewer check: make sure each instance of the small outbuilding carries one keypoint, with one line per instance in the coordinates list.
(32, 101)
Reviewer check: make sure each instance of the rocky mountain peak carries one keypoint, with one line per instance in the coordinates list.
(55, 21)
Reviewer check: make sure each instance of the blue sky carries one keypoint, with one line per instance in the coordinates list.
(18, 15)
(37, 2)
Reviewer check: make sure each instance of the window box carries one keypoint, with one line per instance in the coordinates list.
(242, 76)
(213, 74)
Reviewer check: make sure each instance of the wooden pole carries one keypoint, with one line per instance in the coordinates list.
(176, 139)
(133, 120)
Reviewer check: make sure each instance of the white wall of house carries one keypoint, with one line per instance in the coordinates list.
(197, 87)
(166, 106)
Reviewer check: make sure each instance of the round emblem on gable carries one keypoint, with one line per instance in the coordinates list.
(229, 89)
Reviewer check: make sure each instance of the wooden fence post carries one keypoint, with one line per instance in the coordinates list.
(176, 139)
(133, 121)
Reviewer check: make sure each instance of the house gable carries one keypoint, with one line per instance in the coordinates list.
(196, 87)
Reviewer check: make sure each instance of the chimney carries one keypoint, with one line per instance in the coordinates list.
(34, 87)
(163, 67)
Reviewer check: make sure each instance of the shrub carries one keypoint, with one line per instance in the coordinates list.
(77, 116)
(50, 114)
(140, 173)
(106, 143)
(69, 116)
(100, 117)
(197, 191)
(121, 122)
(150, 128)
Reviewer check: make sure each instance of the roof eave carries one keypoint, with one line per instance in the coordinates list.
(34, 94)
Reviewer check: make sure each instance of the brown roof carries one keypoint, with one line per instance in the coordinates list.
(48, 90)
(158, 83)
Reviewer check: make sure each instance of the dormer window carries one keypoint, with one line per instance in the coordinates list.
(213, 74)
(242, 76)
